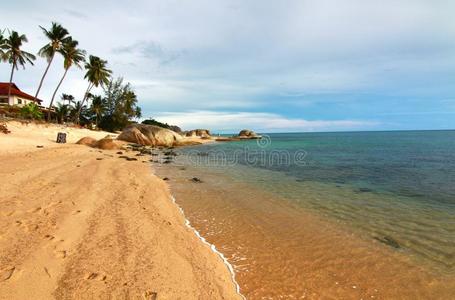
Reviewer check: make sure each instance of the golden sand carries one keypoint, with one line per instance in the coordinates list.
(80, 223)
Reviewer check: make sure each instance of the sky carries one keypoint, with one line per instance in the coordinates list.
(270, 66)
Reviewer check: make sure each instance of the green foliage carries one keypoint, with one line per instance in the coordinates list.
(120, 106)
(72, 54)
(62, 111)
(57, 36)
(2, 45)
(97, 72)
(13, 52)
(31, 111)
(156, 123)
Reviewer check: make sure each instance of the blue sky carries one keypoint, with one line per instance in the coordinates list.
(272, 66)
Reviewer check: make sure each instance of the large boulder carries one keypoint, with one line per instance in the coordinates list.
(203, 133)
(248, 134)
(87, 141)
(108, 144)
(150, 135)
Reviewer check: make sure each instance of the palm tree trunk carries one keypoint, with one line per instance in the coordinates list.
(83, 100)
(42, 78)
(11, 80)
(53, 96)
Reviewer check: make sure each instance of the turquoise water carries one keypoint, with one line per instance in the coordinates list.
(390, 186)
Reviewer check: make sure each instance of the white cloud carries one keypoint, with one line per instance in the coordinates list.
(258, 121)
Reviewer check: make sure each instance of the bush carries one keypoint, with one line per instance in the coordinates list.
(31, 111)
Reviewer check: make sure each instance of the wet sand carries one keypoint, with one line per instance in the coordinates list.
(280, 250)
(80, 223)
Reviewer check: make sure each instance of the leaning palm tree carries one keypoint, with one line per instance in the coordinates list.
(72, 57)
(2, 45)
(15, 55)
(97, 75)
(57, 36)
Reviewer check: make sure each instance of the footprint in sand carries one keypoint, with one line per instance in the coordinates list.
(49, 237)
(95, 276)
(6, 273)
(60, 254)
(148, 295)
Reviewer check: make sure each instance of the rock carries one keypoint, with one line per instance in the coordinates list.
(389, 241)
(107, 144)
(195, 179)
(87, 141)
(249, 134)
(149, 135)
(203, 133)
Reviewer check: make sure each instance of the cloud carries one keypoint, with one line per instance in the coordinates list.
(255, 56)
(76, 14)
(260, 121)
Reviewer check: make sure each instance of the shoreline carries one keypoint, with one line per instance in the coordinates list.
(68, 235)
(264, 238)
(213, 248)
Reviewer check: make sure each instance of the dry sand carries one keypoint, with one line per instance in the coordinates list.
(78, 223)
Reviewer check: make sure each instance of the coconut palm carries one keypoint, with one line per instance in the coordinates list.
(97, 107)
(67, 97)
(15, 55)
(72, 57)
(77, 110)
(57, 36)
(97, 75)
(2, 44)
(62, 111)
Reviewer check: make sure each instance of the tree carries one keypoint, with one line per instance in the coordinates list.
(57, 35)
(62, 111)
(97, 75)
(67, 97)
(78, 112)
(2, 45)
(120, 105)
(15, 55)
(97, 108)
(72, 57)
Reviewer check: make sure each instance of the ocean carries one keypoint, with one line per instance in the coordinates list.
(375, 198)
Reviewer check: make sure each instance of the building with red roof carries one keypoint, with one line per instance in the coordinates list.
(17, 97)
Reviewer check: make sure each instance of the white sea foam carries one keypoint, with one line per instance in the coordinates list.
(213, 248)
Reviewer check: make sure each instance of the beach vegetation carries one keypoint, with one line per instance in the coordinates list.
(57, 36)
(72, 56)
(97, 74)
(15, 55)
(31, 111)
(114, 109)
(120, 106)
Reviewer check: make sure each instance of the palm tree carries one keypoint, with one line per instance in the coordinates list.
(15, 55)
(97, 75)
(57, 36)
(76, 110)
(2, 45)
(97, 107)
(72, 56)
(67, 97)
(62, 111)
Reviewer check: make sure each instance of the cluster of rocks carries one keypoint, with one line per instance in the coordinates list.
(248, 134)
(155, 136)
(202, 133)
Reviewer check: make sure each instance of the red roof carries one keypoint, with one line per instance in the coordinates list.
(15, 91)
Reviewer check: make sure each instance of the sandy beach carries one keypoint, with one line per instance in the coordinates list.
(81, 223)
